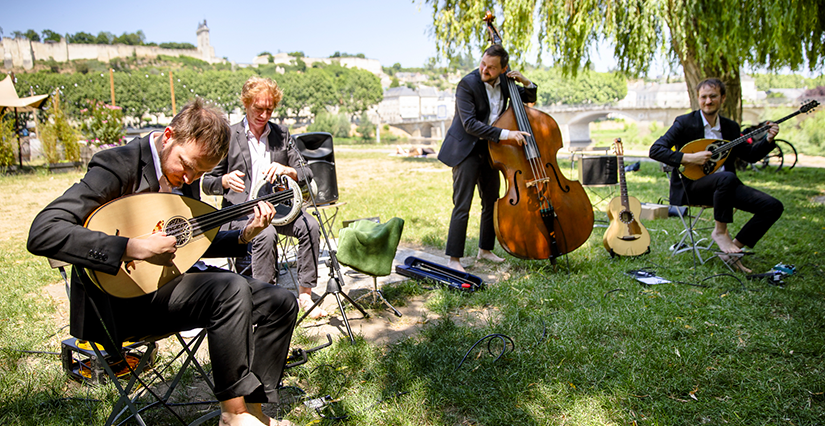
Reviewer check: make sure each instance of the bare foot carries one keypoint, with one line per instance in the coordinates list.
(305, 302)
(257, 411)
(455, 264)
(735, 262)
(489, 256)
(240, 419)
(724, 242)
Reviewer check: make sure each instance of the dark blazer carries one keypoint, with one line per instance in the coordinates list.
(239, 158)
(688, 128)
(57, 231)
(472, 109)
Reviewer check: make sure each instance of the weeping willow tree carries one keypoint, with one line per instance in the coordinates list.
(708, 38)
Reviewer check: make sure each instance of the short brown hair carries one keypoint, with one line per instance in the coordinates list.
(500, 52)
(206, 125)
(256, 85)
(712, 82)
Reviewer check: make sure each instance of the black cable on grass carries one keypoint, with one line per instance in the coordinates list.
(613, 291)
(741, 283)
(504, 339)
(543, 335)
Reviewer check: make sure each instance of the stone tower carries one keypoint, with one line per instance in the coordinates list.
(206, 50)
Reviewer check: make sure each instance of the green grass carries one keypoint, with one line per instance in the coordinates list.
(592, 347)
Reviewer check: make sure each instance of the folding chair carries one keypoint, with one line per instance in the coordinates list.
(140, 358)
(691, 230)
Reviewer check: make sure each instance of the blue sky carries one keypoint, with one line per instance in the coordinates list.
(388, 30)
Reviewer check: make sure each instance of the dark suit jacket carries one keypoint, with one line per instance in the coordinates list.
(688, 128)
(472, 109)
(57, 232)
(239, 158)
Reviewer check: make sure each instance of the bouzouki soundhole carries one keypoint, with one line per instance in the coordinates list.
(626, 216)
(180, 228)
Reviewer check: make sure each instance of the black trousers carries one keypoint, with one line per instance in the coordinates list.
(725, 192)
(249, 326)
(474, 171)
(265, 249)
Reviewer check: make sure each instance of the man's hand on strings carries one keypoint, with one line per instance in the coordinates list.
(234, 181)
(158, 249)
(264, 213)
(518, 136)
(515, 75)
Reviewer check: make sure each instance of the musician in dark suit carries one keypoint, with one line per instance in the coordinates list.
(723, 190)
(261, 151)
(247, 366)
(480, 98)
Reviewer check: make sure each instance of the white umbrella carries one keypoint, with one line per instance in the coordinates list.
(9, 99)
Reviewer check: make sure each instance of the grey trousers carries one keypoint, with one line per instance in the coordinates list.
(264, 249)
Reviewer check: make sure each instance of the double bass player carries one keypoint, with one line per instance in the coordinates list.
(481, 97)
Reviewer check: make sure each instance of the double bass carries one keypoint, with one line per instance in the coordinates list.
(542, 214)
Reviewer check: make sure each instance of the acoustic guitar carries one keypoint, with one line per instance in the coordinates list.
(625, 236)
(720, 149)
(192, 222)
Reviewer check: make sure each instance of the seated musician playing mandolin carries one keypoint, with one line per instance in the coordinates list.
(723, 190)
(260, 150)
(247, 365)
(480, 99)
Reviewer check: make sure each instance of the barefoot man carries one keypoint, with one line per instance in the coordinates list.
(722, 190)
(480, 99)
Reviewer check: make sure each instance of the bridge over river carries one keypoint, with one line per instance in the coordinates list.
(574, 121)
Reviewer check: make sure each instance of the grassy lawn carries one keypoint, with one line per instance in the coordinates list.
(590, 345)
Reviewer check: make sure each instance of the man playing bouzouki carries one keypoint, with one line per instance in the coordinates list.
(723, 190)
(247, 366)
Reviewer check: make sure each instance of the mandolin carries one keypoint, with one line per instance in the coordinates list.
(192, 222)
(625, 236)
(721, 149)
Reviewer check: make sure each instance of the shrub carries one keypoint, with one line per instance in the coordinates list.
(57, 131)
(103, 124)
(365, 128)
(336, 124)
(7, 140)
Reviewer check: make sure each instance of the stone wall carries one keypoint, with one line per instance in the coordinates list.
(22, 53)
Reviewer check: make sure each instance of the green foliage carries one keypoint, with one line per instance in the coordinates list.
(81, 38)
(338, 54)
(131, 39)
(103, 124)
(32, 35)
(366, 129)
(336, 124)
(49, 35)
(587, 87)
(298, 54)
(786, 81)
(57, 132)
(174, 45)
(806, 132)
(8, 139)
(104, 37)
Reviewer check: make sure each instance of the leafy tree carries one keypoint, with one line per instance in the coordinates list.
(298, 54)
(336, 124)
(81, 38)
(49, 35)
(365, 127)
(104, 37)
(103, 124)
(32, 35)
(395, 83)
(706, 37)
(131, 39)
(586, 87)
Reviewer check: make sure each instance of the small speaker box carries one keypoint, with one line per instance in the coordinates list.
(598, 170)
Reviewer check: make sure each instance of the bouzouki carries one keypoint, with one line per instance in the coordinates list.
(192, 222)
(625, 236)
(720, 149)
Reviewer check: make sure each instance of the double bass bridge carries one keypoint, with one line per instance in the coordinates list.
(535, 182)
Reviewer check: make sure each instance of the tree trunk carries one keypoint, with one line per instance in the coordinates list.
(695, 73)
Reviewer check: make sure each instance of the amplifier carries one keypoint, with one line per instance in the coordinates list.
(599, 170)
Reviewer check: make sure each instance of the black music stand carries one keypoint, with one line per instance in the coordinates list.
(335, 277)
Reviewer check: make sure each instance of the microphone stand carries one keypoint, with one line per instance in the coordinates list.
(336, 279)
